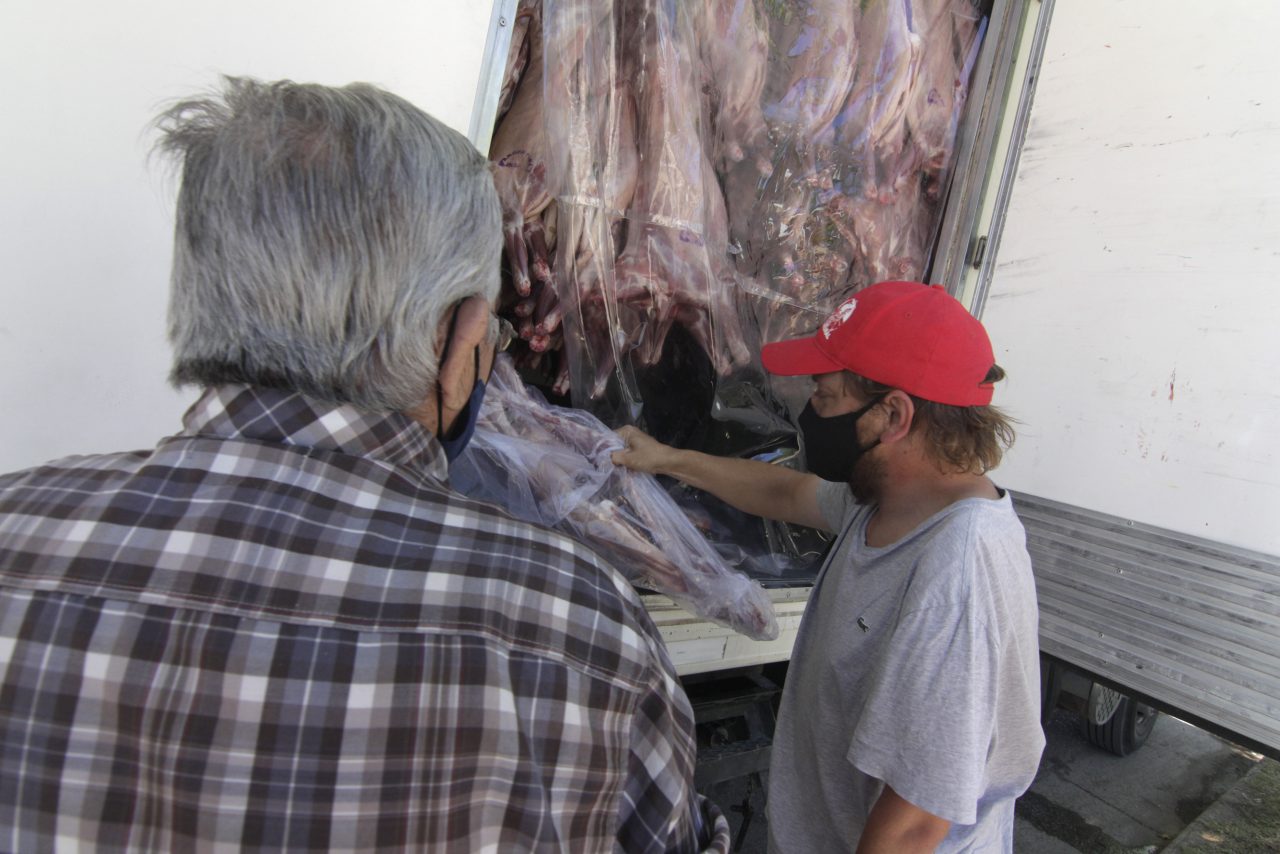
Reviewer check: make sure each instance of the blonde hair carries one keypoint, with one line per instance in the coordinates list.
(968, 439)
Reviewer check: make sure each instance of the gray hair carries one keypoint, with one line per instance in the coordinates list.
(321, 236)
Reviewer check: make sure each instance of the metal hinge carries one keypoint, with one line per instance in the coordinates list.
(979, 252)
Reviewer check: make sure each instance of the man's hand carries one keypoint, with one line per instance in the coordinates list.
(644, 453)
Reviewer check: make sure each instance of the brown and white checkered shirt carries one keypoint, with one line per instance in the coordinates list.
(281, 629)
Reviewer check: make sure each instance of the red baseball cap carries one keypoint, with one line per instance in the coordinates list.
(902, 334)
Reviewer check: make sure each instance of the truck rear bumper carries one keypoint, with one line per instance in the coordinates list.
(698, 646)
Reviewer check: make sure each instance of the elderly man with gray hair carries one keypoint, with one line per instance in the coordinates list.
(281, 629)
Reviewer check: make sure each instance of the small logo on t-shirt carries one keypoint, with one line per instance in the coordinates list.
(862, 624)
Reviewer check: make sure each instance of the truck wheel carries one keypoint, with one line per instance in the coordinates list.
(1125, 730)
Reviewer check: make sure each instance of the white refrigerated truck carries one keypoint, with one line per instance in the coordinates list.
(1114, 220)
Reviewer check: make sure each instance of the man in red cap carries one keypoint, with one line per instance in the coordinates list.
(910, 715)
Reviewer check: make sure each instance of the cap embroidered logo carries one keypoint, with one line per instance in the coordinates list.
(839, 317)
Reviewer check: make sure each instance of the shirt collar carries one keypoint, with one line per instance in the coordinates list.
(237, 411)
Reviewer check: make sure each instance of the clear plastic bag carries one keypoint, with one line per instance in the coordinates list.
(552, 465)
(732, 169)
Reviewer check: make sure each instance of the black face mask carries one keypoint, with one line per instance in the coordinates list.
(831, 444)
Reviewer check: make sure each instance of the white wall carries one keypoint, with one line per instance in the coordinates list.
(1136, 297)
(86, 219)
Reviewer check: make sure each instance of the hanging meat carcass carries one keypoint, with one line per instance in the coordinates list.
(909, 136)
(777, 216)
(519, 152)
(953, 33)
(821, 51)
(595, 107)
(733, 41)
(517, 55)
(674, 268)
(629, 118)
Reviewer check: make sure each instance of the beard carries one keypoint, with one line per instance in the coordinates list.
(866, 480)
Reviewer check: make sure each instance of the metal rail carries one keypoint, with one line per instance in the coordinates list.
(1191, 625)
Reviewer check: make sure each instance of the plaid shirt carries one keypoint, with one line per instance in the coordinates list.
(282, 630)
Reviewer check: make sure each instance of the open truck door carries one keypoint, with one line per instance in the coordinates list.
(1126, 271)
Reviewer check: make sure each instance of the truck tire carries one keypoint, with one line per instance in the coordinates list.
(1126, 730)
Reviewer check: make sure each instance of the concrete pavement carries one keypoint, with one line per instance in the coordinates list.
(1087, 800)
(1245, 820)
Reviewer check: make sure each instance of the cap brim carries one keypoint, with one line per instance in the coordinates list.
(797, 357)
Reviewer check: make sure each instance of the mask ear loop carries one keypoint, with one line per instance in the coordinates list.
(448, 342)
(875, 401)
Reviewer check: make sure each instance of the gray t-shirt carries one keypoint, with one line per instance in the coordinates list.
(916, 665)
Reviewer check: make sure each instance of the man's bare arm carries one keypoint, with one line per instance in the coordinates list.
(774, 492)
(897, 826)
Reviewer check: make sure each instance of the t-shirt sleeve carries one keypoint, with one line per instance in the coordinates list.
(927, 722)
(836, 502)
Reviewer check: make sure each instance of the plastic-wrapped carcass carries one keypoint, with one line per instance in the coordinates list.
(732, 169)
(552, 465)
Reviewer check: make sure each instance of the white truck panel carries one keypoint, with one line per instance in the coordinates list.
(1134, 300)
(86, 221)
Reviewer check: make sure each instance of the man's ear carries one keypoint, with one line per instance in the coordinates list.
(899, 412)
(457, 375)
